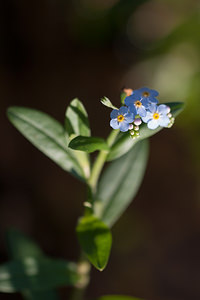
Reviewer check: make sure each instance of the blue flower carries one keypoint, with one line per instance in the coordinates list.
(157, 116)
(147, 94)
(121, 118)
(137, 105)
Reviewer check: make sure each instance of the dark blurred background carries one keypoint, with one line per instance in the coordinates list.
(52, 51)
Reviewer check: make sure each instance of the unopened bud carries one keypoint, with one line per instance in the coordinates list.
(137, 121)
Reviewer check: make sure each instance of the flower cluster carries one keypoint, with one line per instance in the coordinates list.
(140, 106)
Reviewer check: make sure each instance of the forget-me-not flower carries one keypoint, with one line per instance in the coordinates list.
(137, 106)
(121, 118)
(147, 94)
(157, 116)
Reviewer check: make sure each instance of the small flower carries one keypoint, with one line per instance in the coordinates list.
(137, 107)
(121, 118)
(157, 116)
(147, 94)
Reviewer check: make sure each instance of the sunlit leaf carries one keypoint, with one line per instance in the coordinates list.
(19, 247)
(95, 239)
(77, 123)
(119, 183)
(36, 274)
(88, 144)
(47, 135)
(76, 119)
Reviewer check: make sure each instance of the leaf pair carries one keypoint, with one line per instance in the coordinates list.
(51, 138)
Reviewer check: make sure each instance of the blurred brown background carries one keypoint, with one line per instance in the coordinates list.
(52, 51)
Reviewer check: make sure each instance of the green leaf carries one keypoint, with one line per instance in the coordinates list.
(123, 96)
(95, 239)
(76, 123)
(105, 101)
(20, 246)
(124, 142)
(119, 184)
(36, 274)
(76, 119)
(118, 297)
(88, 144)
(47, 135)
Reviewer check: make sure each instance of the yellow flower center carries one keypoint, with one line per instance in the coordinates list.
(120, 118)
(138, 103)
(145, 94)
(156, 116)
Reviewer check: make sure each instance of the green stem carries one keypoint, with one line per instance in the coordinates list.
(84, 266)
(83, 269)
(100, 161)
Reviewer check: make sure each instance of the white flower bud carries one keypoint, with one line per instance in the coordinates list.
(137, 121)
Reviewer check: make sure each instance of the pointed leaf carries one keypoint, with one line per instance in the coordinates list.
(105, 101)
(88, 144)
(76, 119)
(124, 142)
(119, 184)
(95, 239)
(20, 246)
(36, 274)
(47, 135)
(76, 123)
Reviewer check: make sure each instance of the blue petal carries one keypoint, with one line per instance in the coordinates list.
(129, 118)
(152, 99)
(153, 124)
(114, 124)
(145, 102)
(123, 110)
(164, 121)
(132, 109)
(148, 117)
(163, 109)
(136, 95)
(142, 111)
(152, 108)
(124, 126)
(154, 93)
(114, 113)
(143, 89)
(129, 100)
